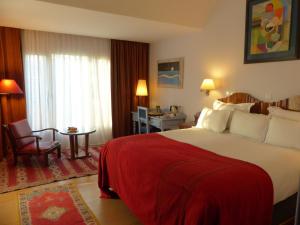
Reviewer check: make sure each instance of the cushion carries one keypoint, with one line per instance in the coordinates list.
(283, 132)
(21, 128)
(287, 114)
(45, 146)
(215, 120)
(249, 125)
(218, 105)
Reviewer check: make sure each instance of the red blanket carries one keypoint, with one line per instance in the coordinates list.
(165, 182)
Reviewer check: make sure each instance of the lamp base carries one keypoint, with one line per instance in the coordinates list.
(207, 92)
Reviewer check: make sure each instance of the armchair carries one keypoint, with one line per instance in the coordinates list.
(24, 142)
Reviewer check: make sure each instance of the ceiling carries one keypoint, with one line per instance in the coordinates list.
(191, 13)
(137, 20)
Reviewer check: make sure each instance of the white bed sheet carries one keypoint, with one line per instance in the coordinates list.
(282, 164)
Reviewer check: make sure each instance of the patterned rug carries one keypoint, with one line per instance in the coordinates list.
(61, 204)
(30, 171)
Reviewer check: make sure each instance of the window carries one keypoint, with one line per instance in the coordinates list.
(67, 81)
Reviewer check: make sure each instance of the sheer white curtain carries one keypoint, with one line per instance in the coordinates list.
(67, 80)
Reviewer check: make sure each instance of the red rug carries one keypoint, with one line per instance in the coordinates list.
(30, 171)
(61, 204)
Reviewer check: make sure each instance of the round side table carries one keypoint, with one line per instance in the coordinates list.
(73, 137)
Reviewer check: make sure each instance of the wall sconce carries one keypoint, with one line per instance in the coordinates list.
(141, 89)
(208, 85)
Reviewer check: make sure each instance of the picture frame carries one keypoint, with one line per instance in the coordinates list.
(170, 73)
(272, 31)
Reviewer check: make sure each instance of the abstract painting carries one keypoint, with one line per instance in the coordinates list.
(271, 30)
(170, 73)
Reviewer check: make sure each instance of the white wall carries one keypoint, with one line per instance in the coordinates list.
(217, 52)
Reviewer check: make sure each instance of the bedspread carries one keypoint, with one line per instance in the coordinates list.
(166, 182)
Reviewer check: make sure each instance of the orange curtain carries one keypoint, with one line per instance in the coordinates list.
(129, 63)
(11, 67)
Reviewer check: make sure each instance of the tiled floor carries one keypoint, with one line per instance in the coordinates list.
(107, 211)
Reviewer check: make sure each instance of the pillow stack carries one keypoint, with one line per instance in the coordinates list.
(281, 127)
(219, 118)
(245, 107)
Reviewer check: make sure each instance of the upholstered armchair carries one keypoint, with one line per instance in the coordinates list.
(24, 142)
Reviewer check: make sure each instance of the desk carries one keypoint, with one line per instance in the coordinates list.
(161, 122)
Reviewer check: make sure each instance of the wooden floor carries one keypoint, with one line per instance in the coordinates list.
(107, 211)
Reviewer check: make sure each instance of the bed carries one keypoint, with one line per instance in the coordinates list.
(157, 196)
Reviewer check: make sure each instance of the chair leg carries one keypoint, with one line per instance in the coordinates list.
(15, 160)
(46, 161)
(59, 152)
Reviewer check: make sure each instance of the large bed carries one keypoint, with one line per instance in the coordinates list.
(263, 181)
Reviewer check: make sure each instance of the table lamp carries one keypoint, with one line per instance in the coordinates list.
(207, 86)
(141, 89)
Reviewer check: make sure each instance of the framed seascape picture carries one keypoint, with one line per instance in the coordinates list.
(170, 73)
(272, 30)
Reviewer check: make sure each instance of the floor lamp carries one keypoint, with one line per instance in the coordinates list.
(7, 87)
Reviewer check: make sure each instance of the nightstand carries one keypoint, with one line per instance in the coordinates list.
(186, 125)
(190, 124)
(297, 216)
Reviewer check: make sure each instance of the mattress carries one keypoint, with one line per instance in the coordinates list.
(282, 164)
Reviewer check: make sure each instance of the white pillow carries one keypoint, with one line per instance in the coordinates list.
(286, 114)
(218, 105)
(215, 120)
(284, 133)
(249, 125)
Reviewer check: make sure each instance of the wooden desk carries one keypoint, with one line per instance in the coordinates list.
(161, 122)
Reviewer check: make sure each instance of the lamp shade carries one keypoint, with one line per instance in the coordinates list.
(9, 87)
(142, 88)
(208, 85)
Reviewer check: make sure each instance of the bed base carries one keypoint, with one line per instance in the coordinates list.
(285, 210)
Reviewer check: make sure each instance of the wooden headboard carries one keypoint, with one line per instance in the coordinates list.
(261, 107)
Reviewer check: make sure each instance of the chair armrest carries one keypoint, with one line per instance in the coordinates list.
(53, 129)
(53, 132)
(30, 136)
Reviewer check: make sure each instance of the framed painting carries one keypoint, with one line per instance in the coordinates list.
(272, 30)
(170, 73)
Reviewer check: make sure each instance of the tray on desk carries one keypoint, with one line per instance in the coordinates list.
(155, 114)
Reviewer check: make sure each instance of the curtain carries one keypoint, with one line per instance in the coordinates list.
(67, 80)
(11, 67)
(129, 63)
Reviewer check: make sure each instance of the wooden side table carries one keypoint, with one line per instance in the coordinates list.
(190, 124)
(73, 137)
(186, 125)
